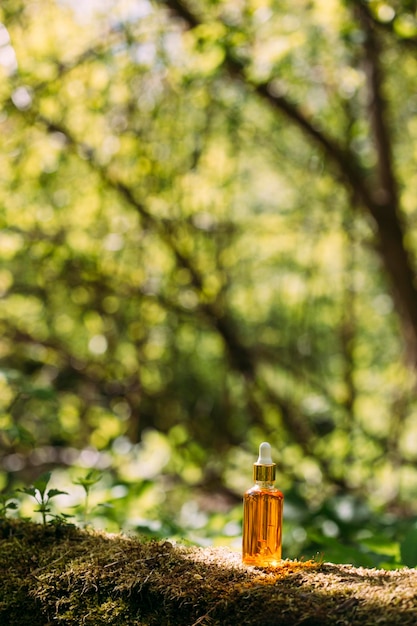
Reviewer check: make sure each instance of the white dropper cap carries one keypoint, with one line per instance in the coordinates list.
(265, 457)
(264, 468)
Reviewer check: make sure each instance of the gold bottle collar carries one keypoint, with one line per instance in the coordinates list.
(264, 473)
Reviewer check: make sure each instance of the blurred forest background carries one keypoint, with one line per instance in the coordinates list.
(208, 239)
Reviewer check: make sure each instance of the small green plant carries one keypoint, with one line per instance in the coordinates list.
(92, 478)
(43, 496)
(7, 503)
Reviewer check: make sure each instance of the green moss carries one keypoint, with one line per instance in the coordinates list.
(58, 574)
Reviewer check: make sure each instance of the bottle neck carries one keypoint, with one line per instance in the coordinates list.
(264, 473)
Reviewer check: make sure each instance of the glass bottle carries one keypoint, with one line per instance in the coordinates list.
(262, 514)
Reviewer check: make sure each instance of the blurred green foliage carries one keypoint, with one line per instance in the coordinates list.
(183, 273)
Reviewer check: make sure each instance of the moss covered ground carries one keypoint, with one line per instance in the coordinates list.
(58, 574)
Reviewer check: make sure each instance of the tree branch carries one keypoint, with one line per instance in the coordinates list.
(380, 201)
(386, 190)
(343, 158)
(384, 25)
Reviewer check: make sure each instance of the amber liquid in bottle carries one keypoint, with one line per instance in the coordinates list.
(262, 524)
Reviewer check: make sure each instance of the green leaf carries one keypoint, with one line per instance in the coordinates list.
(93, 477)
(23, 435)
(408, 548)
(56, 492)
(41, 483)
(31, 491)
(42, 393)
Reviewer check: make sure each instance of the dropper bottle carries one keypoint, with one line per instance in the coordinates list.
(262, 514)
